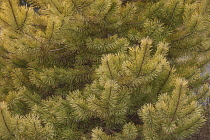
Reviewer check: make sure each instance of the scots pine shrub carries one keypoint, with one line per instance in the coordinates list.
(103, 69)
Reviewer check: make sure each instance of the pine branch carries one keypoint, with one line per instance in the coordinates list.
(57, 49)
(35, 130)
(44, 26)
(167, 78)
(13, 13)
(25, 17)
(197, 68)
(171, 17)
(5, 57)
(187, 128)
(100, 105)
(142, 62)
(2, 114)
(109, 131)
(32, 37)
(205, 93)
(177, 105)
(108, 100)
(5, 21)
(53, 26)
(56, 7)
(86, 19)
(174, 41)
(153, 70)
(109, 70)
(37, 102)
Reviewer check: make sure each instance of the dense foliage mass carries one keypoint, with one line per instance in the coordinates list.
(103, 69)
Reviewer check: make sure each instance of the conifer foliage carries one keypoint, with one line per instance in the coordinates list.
(103, 69)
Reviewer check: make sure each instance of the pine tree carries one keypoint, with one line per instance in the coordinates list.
(103, 69)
